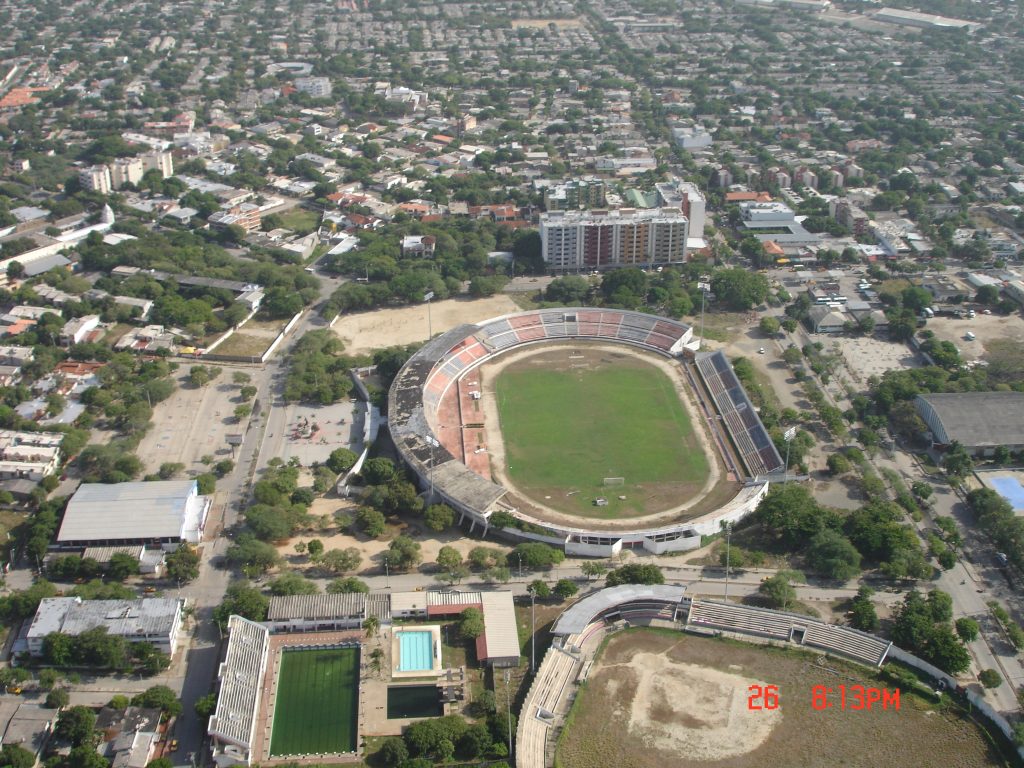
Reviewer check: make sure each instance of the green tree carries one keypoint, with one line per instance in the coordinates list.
(122, 566)
(565, 588)
(183, 563)
(76, 725)
(292, 584)
(739, 289)
(338, 561)
(862, 614)
(967, 629)
(832, 555)
(243, 600)
(159, 697)
(58, 698)
(990, 678)
(535, 555)
(539, 588)
(769, 326)
(346, 585)
(439, 517)
(341, 460)
(594, 568)
(392, 752)
(17, 757)
(777, 591)
(404, 553)
(471, 623)
(205, 706)
(635, 573)
(448, 558)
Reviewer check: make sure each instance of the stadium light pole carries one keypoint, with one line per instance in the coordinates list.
(432, 442)
(788, 436)
(430, 328)
(508, 710)
(533, 631)
(728, 536)
(704, 287)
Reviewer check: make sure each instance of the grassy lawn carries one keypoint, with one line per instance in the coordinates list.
(567, 430)
(300, 220)
(243, 344)
(317, 701)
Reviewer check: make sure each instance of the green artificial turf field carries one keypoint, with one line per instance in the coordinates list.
(317, 702)
(567, 428)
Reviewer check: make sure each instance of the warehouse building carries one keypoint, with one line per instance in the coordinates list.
(158, 514)
(979, 421)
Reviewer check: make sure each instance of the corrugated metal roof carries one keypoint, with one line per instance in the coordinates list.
(577, 616)
(316, 607)
(406, 602)
(241, 682)
(127, 511)
(500, 633)
(452, 598)
(126, 618)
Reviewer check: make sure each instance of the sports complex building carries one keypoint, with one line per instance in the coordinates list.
(435, 424)
(308, 685)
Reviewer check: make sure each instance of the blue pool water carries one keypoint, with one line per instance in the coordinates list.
(1010, 489)
(415, 652)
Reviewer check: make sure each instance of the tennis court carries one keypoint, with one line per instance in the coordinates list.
(317, 705)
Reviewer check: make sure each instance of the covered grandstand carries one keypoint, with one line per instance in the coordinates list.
(233, 724)
(580, 629)
(437, 375)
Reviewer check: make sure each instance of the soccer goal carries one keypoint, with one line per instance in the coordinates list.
(614, 481)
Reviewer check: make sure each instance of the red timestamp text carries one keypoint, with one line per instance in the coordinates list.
(853, 697)
(762, 697)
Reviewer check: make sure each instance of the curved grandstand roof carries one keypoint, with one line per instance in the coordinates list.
(422, 382)
(575, 619)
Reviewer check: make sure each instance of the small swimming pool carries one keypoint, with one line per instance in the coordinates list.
(415, 651)
(1009, 488)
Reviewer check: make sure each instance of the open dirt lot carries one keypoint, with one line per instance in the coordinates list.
(372, 550)
(680, 700)
(367, 331)
(867, 357)
(192, 423)
(987, 328)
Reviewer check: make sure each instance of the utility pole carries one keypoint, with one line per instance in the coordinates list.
(508, 711)
(387, 572)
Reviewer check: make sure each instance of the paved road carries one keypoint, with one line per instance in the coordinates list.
(207, 591)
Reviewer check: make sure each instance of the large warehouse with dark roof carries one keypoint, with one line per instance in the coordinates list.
(979, 421)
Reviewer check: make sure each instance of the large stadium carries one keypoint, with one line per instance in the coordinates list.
(591, 429)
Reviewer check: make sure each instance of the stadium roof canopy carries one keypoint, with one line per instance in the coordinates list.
(576, 618)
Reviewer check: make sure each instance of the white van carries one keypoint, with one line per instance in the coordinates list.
(970, 336)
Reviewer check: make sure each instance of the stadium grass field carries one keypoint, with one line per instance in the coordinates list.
(316, 710)
(566, 427)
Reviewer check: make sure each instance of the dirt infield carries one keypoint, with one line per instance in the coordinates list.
(715, 491)
(367, 331)
(681, 700)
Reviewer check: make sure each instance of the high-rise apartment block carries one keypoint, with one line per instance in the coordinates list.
(96, 178)
(589, 192)
(587, 240)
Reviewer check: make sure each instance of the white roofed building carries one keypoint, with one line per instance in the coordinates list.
(164, 513)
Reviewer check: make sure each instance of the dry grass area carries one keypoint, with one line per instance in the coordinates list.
(241, 343)
(680, 700)
(367, 331)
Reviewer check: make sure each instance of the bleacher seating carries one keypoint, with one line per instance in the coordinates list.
(748, 434)
(739, 618)
(557, 669)
(845, 641)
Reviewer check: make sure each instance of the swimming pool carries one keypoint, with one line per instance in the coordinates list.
(415, 651)
(1009, 488)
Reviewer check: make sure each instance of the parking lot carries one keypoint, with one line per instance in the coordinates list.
(192, 423)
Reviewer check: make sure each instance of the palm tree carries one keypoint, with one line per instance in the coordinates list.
(372, 626)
